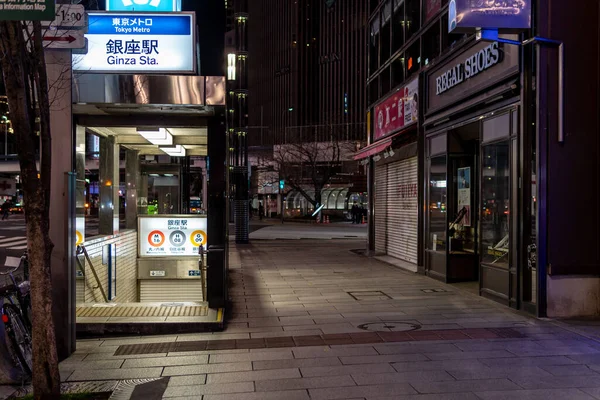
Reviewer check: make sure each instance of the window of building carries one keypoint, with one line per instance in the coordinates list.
(385, 81)
(374, 90)
(398, 71)
(374, 46)
(431, 44)
(398, 22)
(413, 17)
(386, 31)
(413, 59)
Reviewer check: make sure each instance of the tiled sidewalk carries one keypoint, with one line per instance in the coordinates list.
(305, 295)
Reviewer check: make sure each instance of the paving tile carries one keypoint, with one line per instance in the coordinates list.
(361, 391)
(433, 365)
(207, 369)
(280, 354)
(365, 337)
(165, 361)
(279, 334)
(187, 380)
(464, 386)
(557, 382)
(345, 370)
(304, 383)
(406, 348)
(383, 359)
(437, 396)
(198, 390)
(595, 392)
(249, 376)
(567, 370)
(287, 395)
(101, 364)
(556, 360)
(470, 355)
(586, 358)
(401, 377)
(296, 363)
(497, 372)
(340, 351)
(544, 394)
(314, 340)
(109, 374)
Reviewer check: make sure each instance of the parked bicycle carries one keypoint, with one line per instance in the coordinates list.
(15, 303)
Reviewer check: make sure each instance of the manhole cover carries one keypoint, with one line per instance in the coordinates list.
(389, 326)
(369, 295)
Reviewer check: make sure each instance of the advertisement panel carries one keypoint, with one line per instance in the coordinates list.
(398, 111)
(174, 235)
(27, 10)
(508, 15)
(143, 5)
(139, 43)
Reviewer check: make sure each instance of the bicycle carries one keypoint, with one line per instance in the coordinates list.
(15, 309)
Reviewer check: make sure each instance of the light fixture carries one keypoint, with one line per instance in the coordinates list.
(391, 152)
(376, 157)
(174, 151)
(158, 136)
(385, 154)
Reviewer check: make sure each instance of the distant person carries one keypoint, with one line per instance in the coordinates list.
(5, 209)
(261, 211)
(354, 213)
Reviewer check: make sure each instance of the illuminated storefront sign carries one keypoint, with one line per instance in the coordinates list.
(143, 5)
(179, 235)
(139, 43)
(398, 111)
(464, 15)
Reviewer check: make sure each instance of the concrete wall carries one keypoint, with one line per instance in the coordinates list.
(126, 259)
(570, 296)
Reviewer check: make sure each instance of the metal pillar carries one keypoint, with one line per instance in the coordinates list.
(132, 177)
(109, 186)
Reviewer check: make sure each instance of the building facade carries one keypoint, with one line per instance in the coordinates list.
(306, 68)
(470, 175)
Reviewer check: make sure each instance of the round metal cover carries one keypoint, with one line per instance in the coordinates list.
(390, 326)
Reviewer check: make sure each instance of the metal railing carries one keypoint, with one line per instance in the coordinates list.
(82, 251)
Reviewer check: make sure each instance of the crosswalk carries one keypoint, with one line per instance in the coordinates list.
(13, 243)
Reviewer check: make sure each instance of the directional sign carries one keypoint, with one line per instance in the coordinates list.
(64, 39)
(68, 16)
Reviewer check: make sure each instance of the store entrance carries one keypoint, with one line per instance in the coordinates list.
(470, 197)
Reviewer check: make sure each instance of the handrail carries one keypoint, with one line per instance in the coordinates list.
(81, 250)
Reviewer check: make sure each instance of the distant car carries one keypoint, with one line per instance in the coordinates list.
(16, 209)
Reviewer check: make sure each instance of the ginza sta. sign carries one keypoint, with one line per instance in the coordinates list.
(472, 66)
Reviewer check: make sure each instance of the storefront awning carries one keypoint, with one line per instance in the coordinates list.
(372, 149)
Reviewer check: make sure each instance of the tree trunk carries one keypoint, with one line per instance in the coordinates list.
(24, 73)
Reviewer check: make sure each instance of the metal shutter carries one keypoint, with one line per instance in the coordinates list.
(403, 209)
(381, 206)
(159, 290)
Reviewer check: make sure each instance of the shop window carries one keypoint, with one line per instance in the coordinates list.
(398, 23)
(437, 204)
(386, 31)
(385, 81)
(413, 59)
(374, 46)
(398, 71)
(431, 44)
(413, 17)
(495, 203)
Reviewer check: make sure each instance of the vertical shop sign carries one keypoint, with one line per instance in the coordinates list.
(464, 193)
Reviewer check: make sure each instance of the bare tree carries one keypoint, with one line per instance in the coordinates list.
(25, 78)
(312, 156)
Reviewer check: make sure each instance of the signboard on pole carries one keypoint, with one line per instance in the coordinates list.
(505, 15)
(139, 43)
(27, 10)
(175, 235)
(68, 16)
(63, 39)
(143, 5)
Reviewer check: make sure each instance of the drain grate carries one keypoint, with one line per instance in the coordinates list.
(165, 310)
(434, 290)
(390, 326)
(369, 295)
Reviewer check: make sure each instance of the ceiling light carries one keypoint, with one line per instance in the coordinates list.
(158, 136)
(174, 151)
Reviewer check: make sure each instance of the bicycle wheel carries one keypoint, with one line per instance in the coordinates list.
(21, 338)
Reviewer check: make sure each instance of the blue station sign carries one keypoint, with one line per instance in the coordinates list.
(144, 5)
(139, 43)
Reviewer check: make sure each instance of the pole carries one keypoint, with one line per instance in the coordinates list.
(282, 206)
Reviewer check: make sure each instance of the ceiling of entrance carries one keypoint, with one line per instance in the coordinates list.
(194, 140)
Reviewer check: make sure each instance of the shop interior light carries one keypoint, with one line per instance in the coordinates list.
(391, 152)
(158, 136)
(174, 151)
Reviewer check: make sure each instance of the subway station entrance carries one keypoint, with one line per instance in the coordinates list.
(151, 249)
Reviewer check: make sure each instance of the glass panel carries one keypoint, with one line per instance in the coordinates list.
(496, 128)
(342, 199)
(398, 23)
(437, 204)
(495, 202)
(332, 200)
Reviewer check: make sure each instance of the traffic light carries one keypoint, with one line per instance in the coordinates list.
(281, 184)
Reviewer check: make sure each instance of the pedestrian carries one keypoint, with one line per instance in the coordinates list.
(354, 213)
(261, 211)
(5, 209)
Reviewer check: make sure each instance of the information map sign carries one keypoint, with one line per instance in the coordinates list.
(139, 43)
(174, 235)
(27, 10)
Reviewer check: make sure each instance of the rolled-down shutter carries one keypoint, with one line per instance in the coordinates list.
(403, 210)
(381, 208)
